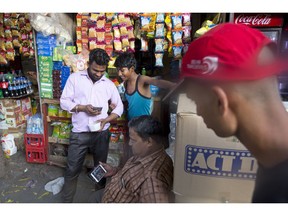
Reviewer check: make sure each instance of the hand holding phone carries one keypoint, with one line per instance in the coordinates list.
(97, 173)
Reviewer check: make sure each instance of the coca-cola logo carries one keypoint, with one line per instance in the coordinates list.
(255, 20)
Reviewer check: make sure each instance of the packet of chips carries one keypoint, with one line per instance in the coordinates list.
(159, 59)
(160, 17)
(108, 38)
(159, 42)
(108, 27)
(109, 16)
(177, 37)
(125, 41)
(116, 32)
(8, 33)
(92, 32)
(186, 19)
(2, 44)
(8, 44)
(144, 45)
(92, 43)
(117, 45)
(109, 50)
(145, 22)
(78, 20)
(159, 30)
(176, 21)
(100, 36)
(101, 23)
(186, 34)
(123, 29)
(115, 21)
(101, 45)
(16, 42)
(3, 59)
(130, 33)
(2, 34)
(177, 52)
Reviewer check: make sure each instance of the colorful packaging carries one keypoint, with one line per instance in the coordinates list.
(176, 21)
(177, 52)
(159, 59)
(159, 30)
(92, 32)
(159, 42)
(144, 45)
(125, 41)
(177, 37)
(116, 32)
(145, 22)
(117, 45)
(187, 34)
(186, 19)
(160, 17)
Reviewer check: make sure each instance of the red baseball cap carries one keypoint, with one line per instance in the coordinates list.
(230, 52)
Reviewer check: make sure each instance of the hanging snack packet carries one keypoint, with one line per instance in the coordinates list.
(2, 34)
(132, 45)
(160, 17)
(92, 32)
(144, 45)
(108, 27)
(100, 23)
(128, 20)
(100, 36)
(109, 16)
(159, 42)
(130, 33)
(92, 43)
(16, 42)
(176, 21)
(187, 34)
(115, 21)
(116, 32)
(186, 19)
(79, 20)
(177, 52)
(2, 45)
(3, 59)
(108, 38)
(168, 22)
(177, 37)
(109, 50)
(121, 17)
(101, 45)
(145, 22)
(8, 44)
(165, 45)
(159, 59)
(8, 33)
(123, 29)
(159, 30)
(125, 41)
(117, 45)
(78, 33)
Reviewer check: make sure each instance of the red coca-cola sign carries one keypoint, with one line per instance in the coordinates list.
(259, 20)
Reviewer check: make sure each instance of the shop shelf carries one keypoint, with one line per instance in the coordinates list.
(58, 140)
(56, 118)
(50, 101)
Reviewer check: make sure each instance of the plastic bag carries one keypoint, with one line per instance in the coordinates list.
(55, 186)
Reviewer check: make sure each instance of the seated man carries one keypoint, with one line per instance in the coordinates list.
(146, 177)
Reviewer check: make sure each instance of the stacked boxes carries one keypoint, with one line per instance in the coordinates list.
(45, 46)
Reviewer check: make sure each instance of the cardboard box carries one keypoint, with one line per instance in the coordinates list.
(209, 168)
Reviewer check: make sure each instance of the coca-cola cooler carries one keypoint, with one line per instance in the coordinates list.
(271, 25)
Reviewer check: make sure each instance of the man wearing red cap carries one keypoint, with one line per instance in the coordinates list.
(231, 76)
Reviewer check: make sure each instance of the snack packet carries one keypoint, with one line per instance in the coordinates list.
(78, 20)
(177, 37)
(3, 59)
(176, 21)
(159, 30)
(108, 38)
(123, 29)
(187, 34)
(145, 22)
(2, 45)
(125, 41)
(92, 43)
(92, 32)
(108, 27)
(115, 21)
(144, 45)
(117, 45)
(177, 52)
(109, 50)
(100, 36)
(130, 33)
(116, 32)
(132, 45)
(101, 23)
(160, 17)
(159, 59)
(159, 45)
(186, 19)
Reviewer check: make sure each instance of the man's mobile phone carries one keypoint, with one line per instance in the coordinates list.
(99, 109)
(97, 173)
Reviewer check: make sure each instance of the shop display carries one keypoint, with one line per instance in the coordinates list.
(16, 36)
(113, 32)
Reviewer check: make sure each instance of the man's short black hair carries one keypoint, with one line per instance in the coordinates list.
(126, 59)
(99, 56)
(147, 127)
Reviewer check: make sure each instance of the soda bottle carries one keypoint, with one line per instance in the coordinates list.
(5, 86)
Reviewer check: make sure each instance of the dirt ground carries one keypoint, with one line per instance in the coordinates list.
(24, 182)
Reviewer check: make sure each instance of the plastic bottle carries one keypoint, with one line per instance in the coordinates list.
(5, 86)
(143, 72)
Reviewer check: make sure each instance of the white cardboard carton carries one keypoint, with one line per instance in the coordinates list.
(209, 168)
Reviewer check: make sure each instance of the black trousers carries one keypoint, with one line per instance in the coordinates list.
(97, 143)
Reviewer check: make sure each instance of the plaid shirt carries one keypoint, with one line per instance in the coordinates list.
(142, 180)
